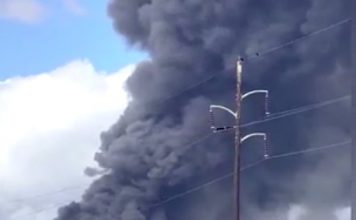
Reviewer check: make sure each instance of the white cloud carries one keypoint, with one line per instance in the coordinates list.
(296, 212)
(28, 11)
(344, 213)
(75, 7)
(50, 126)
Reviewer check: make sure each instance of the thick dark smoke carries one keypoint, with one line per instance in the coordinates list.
(147, 152)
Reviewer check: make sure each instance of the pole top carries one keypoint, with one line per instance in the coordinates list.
(240, 60)
(239, 68)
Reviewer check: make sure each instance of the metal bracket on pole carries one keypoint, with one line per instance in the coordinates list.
(225, 128)
(258, 134)
(223, 108)
(234, 114)
(258, 92)
(254, 92)
(212, 118)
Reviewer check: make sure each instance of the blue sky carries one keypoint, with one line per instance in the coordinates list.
(60, 35)
(65, 48)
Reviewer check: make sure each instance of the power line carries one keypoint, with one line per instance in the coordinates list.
(261, 54)
(54, 206)
(191, 190)
(66, 189)
(227, 175)
(190, 88)
(216, 180)
(310, 150)
(296, 40)
(272, 117)
(295, 111)
(312, 106)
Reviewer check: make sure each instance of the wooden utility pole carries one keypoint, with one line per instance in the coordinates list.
(238, 140)
(237, 158)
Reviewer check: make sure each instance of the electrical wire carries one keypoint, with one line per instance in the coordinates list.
(261, 54)
(296, 40)
(295, 111)
(54, 206)
(227, 175)
(66, 189)
(223, 177)
(311, 106)
(218, 179)
(325, 147)
(189, 88)
(272, 116)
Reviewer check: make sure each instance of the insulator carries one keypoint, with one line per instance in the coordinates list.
(212, 120)
(266, 105)
(266, 156)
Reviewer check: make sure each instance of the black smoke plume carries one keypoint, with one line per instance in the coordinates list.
(148, 152)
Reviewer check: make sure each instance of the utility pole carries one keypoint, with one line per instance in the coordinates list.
(237, 159)
(238, 139)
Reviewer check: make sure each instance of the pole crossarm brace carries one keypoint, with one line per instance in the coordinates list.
(223, 108)
(243, 97)
(260, 91)
(254, 92)
(256, 134)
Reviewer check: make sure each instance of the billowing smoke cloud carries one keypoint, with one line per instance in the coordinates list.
(148, 154)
